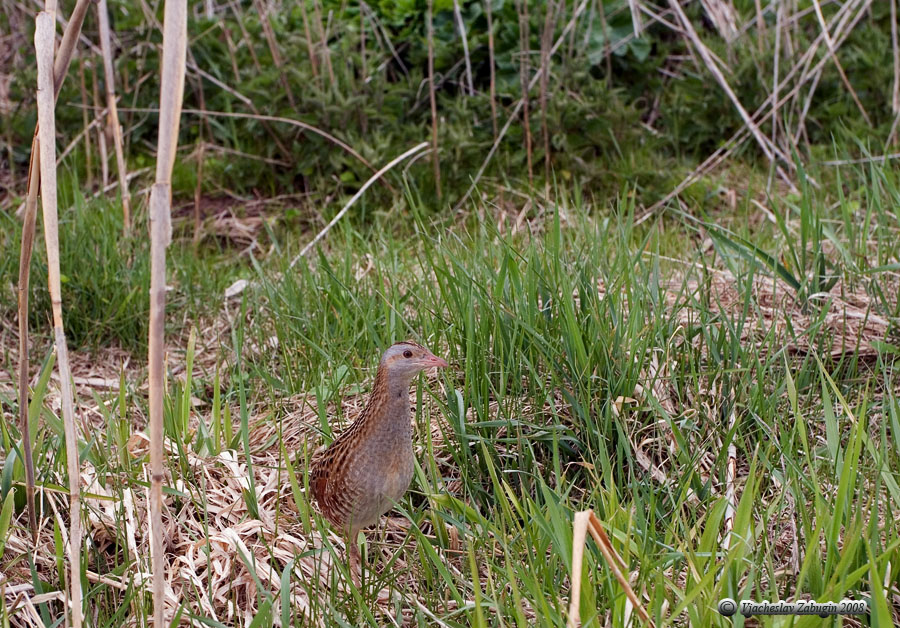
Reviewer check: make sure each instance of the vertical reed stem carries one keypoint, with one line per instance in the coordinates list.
(171, 93)
(435, 160)
(113, 111)
(44, 40)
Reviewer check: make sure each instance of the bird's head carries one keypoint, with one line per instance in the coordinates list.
(405, 360)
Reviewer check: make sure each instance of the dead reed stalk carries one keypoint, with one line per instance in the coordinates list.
(435, 158)
(313, 61)
(524, 47)
(493, 86)
(895, 93)
(829, 43)
(88, 165)
(60, 68)
(323, 42)
(518, 108)
(171, 94)
(465, 44)
(546, 40)
(586, 521)
(269, 34)
(101, 134)
(44, 40)
(113, 119)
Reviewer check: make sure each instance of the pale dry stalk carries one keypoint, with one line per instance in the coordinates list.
(493, 86)
(730, 493)
(323, 43)
(269, 34)
(584, 522)
(465, 43)
(101, 133)
(546, 41)
(310, 51)
(113, 118)
(29, 219)
(171, 94)
(895, 94)
(44, 39)
(773, 153)
(829, 43)
(435, 158)
(88, 165)
(524, 39)
(518, 108)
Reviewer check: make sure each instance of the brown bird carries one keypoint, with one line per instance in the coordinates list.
(367, 469)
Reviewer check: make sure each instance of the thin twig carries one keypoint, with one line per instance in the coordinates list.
(837, 64)
(412, 151)
(263, 118)
(771, 152)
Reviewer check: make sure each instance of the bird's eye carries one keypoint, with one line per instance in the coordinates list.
(407, 354)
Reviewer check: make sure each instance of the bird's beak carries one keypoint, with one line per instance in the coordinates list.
(432, 361)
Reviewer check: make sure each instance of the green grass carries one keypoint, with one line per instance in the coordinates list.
(547, 329)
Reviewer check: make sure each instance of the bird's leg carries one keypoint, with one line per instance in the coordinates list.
(354, 559)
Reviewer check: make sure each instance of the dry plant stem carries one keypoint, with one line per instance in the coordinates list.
(171, 93)
(730, 500)
(517, 109)
(837, 64)
(779, 16)
(607, 47)
(586, 521)
(636, 23)
(88, 166)
(412, 151)
(435, 158)
(323, 42)
(760, 115)
(44, 36)
(269, 34)
(760, 26)
(465, 43)
(546, 40)
(101, 134)
(313, 61)
(248, 41)
(60, 68)
(493, 87)
(115, 127)
(28, 229)
(209, 77)
(895, 94)
(771, 152)
(524, 38)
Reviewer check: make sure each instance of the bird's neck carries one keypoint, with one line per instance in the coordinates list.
(389, 398)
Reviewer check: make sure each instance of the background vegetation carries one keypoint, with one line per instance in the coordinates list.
(713, 375)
